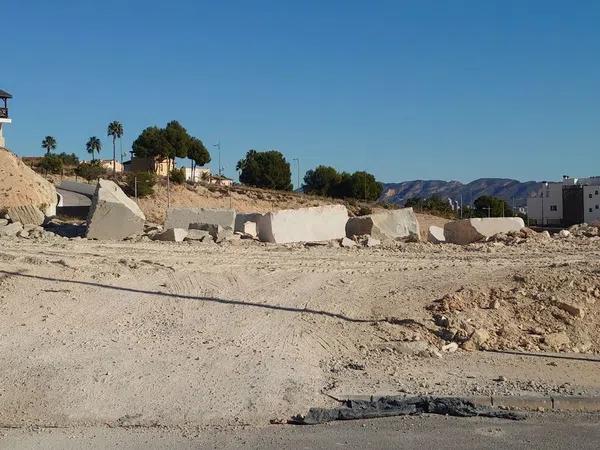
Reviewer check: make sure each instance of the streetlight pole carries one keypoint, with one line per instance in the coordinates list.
(218, 145)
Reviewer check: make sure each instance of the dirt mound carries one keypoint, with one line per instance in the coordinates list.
(554, 308)
(20, 186)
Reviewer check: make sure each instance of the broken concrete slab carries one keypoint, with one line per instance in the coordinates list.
(393, 224)
(372, 242)
(218, 232)
(11, 229)
(435, 235)
(113, 215)
(171, 235)
(319, 223)
(198, 235)
(26, 214)
(467, 231)
(183, 217)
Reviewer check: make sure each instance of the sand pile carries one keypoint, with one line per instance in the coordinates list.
(554, 308)
(20, 186)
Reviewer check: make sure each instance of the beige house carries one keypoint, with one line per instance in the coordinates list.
(156, 165)
(108, 165)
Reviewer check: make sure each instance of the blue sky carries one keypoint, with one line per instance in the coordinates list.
(405, 89)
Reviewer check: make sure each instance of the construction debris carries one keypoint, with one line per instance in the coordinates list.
(113, 215)
(171, 235)
(435, 235)
(26, 214)
(394, 224)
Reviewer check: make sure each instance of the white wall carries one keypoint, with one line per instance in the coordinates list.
(550, 198)
(591, 204)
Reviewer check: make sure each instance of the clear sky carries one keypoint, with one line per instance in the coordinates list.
(447, 89)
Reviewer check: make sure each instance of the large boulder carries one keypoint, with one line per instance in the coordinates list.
(319, 223)
(394, 224)
(113, 215)
(242, 218)
(21, 186)
(183, 217)
(474, 230)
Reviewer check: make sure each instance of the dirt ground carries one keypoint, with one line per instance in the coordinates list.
(206, 335)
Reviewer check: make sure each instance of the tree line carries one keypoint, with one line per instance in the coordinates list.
(264, 169)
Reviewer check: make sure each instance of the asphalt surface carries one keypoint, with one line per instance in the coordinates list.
(540, 430)
(73, 198)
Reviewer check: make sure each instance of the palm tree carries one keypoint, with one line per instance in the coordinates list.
(115, 129)
(93, 145)
(49, 144)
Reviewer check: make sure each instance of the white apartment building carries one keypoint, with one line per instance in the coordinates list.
(574, 200)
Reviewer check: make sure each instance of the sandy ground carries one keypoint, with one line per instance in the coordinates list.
(144, 334)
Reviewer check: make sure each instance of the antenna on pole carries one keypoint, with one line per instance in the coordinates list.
(218, 145)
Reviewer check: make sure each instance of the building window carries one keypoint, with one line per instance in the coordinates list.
(597, 207)
(553, 208)
(590, 195)
(596, 192)
(590, 210)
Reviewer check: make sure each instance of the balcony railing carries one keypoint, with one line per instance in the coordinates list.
(3, 113)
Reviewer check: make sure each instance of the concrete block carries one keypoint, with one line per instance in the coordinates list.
(242, 218)
(348, 243)
(435, 235)
(250, 229)
(26, 214)
(113, 215)
(171, 235)
(320, 223)
(468, 231)
(183, 217)
(393, 224)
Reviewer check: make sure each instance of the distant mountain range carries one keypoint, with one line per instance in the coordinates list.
(513, 191)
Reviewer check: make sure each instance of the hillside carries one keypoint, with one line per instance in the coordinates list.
(513, 191)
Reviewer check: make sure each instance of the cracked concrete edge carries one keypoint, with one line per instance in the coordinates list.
(514, 402)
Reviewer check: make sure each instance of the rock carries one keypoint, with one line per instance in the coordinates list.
(183, 217)
(11, 229)
(171, 235)
(3, 222)
(393, 224)
(572, 309)
(477, 339)
(218, 233)
(435, 235)
(21, 186)
(372, 242)
(320, 223)
(113, 215)
(198, 235)
(450, 348)
(557, 340)
(564, 233)
(26, 214)
(347, 243)
(544, 234)
(467, 231)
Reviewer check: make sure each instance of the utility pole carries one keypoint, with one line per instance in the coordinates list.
(365, 180)
(461, 206)
(298, 171)
(218, 145)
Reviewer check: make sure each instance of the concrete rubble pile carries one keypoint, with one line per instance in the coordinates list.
(387, 225)
(113, 215)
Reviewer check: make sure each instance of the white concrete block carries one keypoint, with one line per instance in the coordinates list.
(320, 223)
(392, 224)
(435, 235)
(183, 217)
(473, 230)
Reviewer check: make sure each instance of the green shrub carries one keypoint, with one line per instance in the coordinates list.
(177, 176)
(364, 211)
(90, 171)
(143, 181)
(51, 164)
